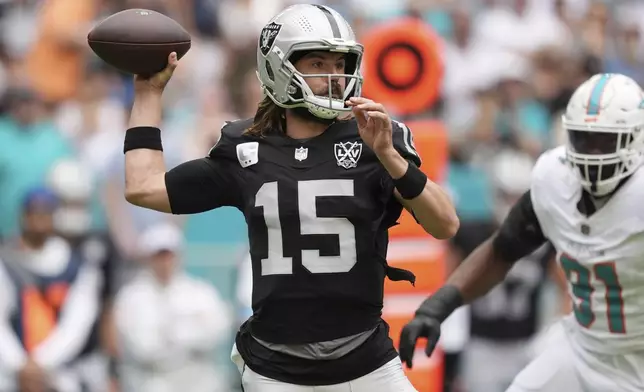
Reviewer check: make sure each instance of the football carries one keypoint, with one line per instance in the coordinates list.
(138, 41)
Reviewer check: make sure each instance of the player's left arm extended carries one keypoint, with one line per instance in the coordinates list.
(432, 208)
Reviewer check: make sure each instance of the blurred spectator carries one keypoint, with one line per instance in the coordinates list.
(94, 120)
(470, 65)
(169, 323)
(206, 18)
(521, 26)
(18, 27)
(521, 121)
(593, 30)
(55, 63)
(48, 305)
(242, 20)
(625, 51)
(73, 185)
(29, 145)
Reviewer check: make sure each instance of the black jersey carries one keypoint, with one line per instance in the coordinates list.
(317, 211)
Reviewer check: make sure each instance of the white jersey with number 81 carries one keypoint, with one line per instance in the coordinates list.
(602, 255)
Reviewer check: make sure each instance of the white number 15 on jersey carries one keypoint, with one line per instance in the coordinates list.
(310, 223)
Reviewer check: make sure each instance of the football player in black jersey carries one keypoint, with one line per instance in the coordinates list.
(320, 174)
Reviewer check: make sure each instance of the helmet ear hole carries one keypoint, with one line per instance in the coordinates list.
(351, 63)
(269, 71)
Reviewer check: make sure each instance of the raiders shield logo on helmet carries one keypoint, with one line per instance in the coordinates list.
(267, 37)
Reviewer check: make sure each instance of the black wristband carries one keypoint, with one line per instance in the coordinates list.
(142, 137)
(412, 183)
(442, 303)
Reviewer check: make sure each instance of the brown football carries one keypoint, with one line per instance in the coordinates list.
(138, 41)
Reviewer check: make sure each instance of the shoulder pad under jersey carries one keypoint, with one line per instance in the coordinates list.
(403, 141)
(231, 134)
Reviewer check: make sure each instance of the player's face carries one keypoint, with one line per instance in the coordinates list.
(598, 143)
(323, 63)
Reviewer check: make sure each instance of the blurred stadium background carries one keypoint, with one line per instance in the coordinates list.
(482, 84)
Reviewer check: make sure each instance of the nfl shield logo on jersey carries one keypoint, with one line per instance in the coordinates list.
(301, 153)
(347, 154)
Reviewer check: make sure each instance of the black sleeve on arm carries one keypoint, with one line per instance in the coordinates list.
(403, 142)
(201, 185)
(520, 234)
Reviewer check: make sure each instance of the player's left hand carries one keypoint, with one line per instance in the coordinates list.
(374, 124)
(420, 326)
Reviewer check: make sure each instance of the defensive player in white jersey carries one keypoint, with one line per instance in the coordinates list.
(586, 198)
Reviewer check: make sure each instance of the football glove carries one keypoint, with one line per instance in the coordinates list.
(427, 322)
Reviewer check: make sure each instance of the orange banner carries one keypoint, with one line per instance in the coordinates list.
(413, 249)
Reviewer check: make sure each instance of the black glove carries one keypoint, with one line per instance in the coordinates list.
(419, 326)
(427, 322)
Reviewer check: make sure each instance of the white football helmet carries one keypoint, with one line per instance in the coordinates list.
(604, 121)
(306, 27)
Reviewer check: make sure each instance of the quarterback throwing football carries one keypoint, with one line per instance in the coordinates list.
(320, 174)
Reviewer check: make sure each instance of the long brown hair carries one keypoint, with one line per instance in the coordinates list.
(268, 118)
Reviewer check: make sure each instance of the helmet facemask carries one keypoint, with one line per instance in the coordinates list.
(298, 94)
(331, 103)
(604, 156)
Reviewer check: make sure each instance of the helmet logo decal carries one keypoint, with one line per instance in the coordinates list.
(595, 99)
(267, 37)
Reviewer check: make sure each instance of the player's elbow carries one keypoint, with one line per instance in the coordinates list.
(151, 194)
(452, 227)
(136, 195)
(446, 228)
(147, 199)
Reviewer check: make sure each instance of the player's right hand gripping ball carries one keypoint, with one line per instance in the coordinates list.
(420, 326)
